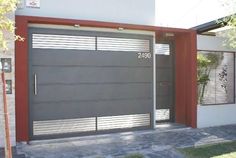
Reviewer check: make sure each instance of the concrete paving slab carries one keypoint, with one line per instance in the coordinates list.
(150, 143)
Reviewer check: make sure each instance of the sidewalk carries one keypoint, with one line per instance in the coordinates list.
(151, 143)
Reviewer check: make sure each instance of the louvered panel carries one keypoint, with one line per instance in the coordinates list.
(122, 44)
(162, 49)
(162, 114)
(64, 126)
(48, 41)
(123, 121)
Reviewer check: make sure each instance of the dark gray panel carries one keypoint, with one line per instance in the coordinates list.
(92, 74)
(87, 58)
(66, 110)
(164, 89)
(165, 83)
(73, 92)
(165, 102)
(164, 61)
(164, 74)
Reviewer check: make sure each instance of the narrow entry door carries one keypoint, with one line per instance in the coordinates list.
(164, 82)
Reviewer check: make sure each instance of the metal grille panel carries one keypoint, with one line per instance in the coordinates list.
(48, 41)
(64, 126)
(162, 114)
(162, 49)
(122, 44)
(123, 121)
(51, 127)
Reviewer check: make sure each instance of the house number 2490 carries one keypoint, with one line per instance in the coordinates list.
(144, 55)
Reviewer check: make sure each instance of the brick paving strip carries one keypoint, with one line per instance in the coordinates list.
(150, 143)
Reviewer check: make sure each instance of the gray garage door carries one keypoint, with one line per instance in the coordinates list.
(89, 82)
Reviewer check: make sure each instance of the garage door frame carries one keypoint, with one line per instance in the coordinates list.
(186, 50)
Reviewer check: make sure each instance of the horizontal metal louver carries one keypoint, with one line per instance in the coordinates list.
(162, 49)
(48, 41)
(162, 114)
(122, 44)
(123, 121)
(64, 126)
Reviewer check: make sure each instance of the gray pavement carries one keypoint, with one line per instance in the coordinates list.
(151, 143)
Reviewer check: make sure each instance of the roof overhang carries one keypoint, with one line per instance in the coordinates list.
(215, 24)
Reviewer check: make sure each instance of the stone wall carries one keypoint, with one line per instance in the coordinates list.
(10, 97)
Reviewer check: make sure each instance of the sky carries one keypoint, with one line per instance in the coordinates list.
(189, 13)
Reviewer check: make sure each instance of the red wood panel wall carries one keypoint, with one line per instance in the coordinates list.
(186, 79)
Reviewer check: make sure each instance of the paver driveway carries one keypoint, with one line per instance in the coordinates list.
(151, 143)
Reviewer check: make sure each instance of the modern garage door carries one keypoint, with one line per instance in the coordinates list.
(84, 82)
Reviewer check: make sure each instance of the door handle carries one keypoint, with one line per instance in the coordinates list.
(35, 84)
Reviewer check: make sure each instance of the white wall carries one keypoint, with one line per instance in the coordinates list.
(212, 43)
(121, 11)
(214, 115)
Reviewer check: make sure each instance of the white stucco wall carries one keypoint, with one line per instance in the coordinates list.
(214, 115)
(121, 11)
(212, 43)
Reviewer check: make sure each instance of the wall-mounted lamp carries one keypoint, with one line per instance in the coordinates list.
(169, 34)
(77, 25)
(120, 28)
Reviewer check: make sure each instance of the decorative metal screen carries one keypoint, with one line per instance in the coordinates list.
(218, 78)
(123, 121)
(64, 126)
(122, 44)
(162, 49)
(162, 114)
(48, 41)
